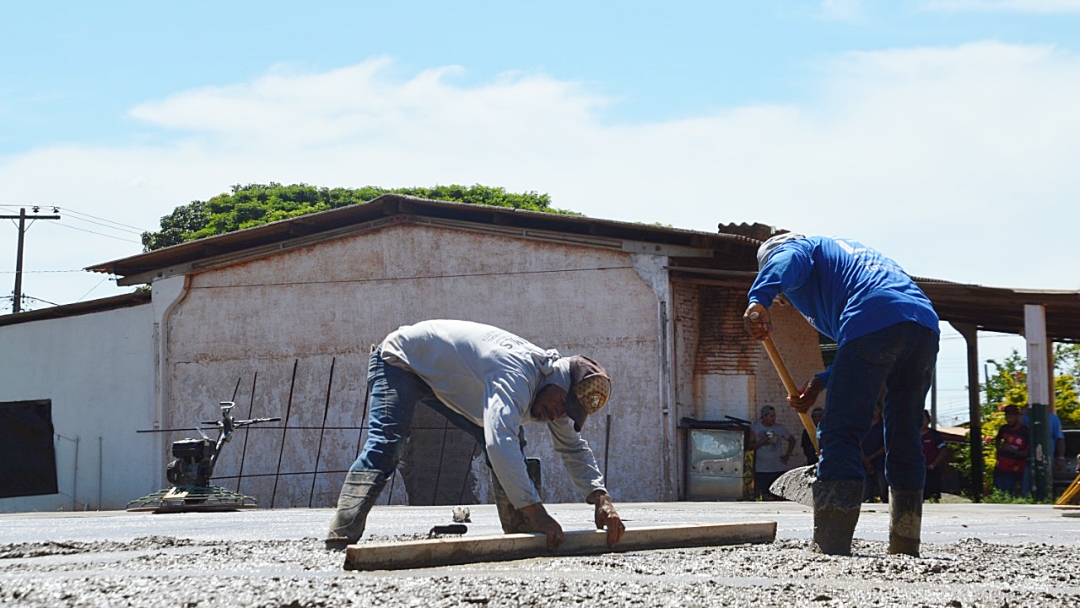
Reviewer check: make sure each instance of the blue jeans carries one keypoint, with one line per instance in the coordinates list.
(394, 394)
(1009, 481)
(901, 359)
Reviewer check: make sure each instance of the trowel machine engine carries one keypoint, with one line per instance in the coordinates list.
(192, 462)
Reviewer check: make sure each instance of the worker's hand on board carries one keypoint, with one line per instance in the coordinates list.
(808, 394)
(757, 321)
(538, 520)
(606, 517)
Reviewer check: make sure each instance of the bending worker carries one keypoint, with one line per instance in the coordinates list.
(887, 332)
(488, 382)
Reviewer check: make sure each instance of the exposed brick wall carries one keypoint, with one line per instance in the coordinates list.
(723, 346)
(686, 315)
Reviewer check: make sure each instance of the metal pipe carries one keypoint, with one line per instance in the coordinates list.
(75, 477)
(322, 432)
(607, 441)
(284, 432)
(100, 469)
(243, 450)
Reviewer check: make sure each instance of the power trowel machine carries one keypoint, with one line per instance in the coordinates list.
(191, 469)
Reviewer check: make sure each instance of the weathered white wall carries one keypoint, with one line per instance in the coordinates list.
(290, 333)
(98, 370)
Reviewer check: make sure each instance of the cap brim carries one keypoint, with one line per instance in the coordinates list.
(575, 411)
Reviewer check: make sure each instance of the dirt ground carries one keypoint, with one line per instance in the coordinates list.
(173, 571)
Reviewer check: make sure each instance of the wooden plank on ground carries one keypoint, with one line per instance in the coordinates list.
(430, 553)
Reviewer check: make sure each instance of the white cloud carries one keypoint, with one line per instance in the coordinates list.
(959, 162)
(1017, 6)
(362, 105)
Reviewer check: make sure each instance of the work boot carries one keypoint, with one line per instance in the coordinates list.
(836, 511)
(905, 521)
(512, 520)
(358, 495)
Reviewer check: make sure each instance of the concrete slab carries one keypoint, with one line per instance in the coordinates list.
(942, 523)
(986, 555)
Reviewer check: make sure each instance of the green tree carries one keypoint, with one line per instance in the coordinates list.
(182, 221)
(255, 204)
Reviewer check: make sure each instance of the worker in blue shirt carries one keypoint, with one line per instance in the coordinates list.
(887, 335)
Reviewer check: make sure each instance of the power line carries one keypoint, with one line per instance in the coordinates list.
(93, 288)
(134, 229)
(104, 225)
(25, 297)
(100, 221)
(100, 234)
(42, 271)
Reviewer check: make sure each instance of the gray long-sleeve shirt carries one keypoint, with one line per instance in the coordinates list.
(491, 376)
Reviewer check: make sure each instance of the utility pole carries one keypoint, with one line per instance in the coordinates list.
(16, 303)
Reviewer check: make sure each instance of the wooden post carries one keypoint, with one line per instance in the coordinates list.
(1040, 383)
(971, 337)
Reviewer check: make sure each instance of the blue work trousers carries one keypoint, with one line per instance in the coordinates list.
(901, 359)
(393, 394)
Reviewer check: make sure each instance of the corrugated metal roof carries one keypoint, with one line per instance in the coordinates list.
(78, 308)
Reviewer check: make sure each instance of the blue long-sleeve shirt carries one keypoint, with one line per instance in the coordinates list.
(843, 288)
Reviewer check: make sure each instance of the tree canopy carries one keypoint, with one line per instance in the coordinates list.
(255, 204)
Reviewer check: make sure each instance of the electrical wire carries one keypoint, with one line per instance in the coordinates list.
(98, 233)
(42, 271)
(93, 288)
(124, 227)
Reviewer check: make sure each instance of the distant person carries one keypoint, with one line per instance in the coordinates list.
(936, 454)
(488, 382)
(808, 448)
(1057, 440)
(873, 448)
(770, 460)
(887, 336)
(1012, 446)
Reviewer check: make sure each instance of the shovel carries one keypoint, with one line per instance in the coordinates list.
(795, 485)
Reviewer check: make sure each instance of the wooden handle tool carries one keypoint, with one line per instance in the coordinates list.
(789, 384)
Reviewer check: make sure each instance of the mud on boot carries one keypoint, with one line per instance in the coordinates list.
(905, 521)
(358, 494)
(836, 511)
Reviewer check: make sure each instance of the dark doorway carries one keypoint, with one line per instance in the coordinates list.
(27, 456)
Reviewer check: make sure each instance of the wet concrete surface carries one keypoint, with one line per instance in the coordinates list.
(973, 555)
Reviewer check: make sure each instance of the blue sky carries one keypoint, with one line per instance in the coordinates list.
(943, 132)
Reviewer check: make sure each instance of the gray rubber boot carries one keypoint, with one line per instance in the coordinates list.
(511, 519)
(836, 511)
(905, 521)
(358, 494)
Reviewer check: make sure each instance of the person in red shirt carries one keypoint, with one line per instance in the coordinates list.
(1013, 446)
